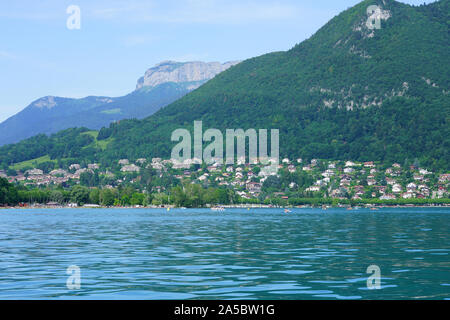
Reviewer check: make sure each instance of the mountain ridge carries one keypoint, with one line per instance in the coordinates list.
(49, 114)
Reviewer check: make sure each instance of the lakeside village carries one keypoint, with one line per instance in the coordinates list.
(163, 183)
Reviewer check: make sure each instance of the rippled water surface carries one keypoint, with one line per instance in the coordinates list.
(236, 254)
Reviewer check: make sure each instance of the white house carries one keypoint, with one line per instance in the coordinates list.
(408, 195)
(130, 168)
(328, 173)
(350, 164)
(369, 164)
(396, 188)
(348, 170)
(411, 186)
(424, 171)
(35, 172)
(93, 166)
(74, 166)
(58, 172)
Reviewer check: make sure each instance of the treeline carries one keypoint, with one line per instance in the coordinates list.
(188, 195)
(70, 143)
(8, 193)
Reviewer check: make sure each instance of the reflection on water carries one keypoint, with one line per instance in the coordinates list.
(236, 254)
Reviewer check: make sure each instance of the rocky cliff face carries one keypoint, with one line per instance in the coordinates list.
(178, 72)
(45, 102)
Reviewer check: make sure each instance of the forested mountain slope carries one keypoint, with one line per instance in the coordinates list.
(348, 92)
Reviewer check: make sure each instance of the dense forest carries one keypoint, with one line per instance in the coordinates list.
(8, 193)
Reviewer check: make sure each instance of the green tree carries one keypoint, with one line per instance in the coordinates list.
(94, 196)
(107, 197)
(8, 193)
(79, 195)
(57, 196)
(137, 199)
(125, 200)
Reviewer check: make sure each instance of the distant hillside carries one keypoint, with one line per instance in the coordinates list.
(348, 92)
(160, 86)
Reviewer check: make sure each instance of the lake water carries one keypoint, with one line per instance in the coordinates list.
(236, 254)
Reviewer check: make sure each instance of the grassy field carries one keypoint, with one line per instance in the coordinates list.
(93, 134)
(112, 111)
(31, 163)
(98, 144)
(104, 143)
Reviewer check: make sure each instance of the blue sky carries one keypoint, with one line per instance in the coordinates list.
(119, 40)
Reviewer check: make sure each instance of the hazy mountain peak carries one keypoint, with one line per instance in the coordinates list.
(45, 102)
(177, 72)
(166, 82)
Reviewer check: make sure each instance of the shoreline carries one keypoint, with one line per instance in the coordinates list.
(249, 206)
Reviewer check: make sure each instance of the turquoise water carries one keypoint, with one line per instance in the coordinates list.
(236, 254)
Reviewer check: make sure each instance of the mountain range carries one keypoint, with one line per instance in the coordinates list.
(160, 86)
(350, 92)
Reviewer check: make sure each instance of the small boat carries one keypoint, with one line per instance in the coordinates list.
(220, 209)
(287, 211)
